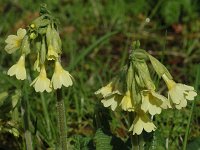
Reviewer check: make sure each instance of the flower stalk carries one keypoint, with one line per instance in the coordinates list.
(134, 91)
(61, 119)
(42, 38)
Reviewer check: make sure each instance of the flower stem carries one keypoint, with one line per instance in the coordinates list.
(61, 120)
(191, 111)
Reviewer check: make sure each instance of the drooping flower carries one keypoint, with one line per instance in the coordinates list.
(42, 83)
(111, 93)
(179, 93)
(18, 69)
(14, 41)
(142, 122)
(152, 102)
(106, 90)
(112, 101)
(126, 102)
(61, 77)
(51, 54)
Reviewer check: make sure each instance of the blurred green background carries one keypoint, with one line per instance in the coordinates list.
(96, 36)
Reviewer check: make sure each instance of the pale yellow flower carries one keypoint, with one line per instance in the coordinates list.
(51, 54)
(104, 91)
(18, 69)
(179, 93)
(61, 77)
(14, 41)
(112, 101)
(142, 122)
(42, 83)
(126, 102)
(152, 102)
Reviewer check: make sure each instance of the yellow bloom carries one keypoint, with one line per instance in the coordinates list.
(18, 69)
(126, 102)
(179, 93)
(113, 87)
(14, 41)
(141, 122)
(51, 54)
(42, 83)
(152, 102)
(112, 101)
(61, 77)
(105, 90)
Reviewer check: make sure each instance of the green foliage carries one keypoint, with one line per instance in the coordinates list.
(154, 141)
(102, 141)
(81, 143)
(170, 11)
(194, 144)
(96, 37)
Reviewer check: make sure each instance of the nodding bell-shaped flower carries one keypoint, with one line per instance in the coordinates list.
(61, 77)
(179, 93)
(111, 93)
(51, 54)
(105, 90)
(18, 69)
(14, 41)
(152, 102)
(142, 122)
(42, 83)
(126, 102)
(112, 100)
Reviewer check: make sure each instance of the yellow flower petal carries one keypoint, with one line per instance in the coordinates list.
(152, 101)
(126, 102)
(111, 101)
(42, 83)
(142, 122)
(179, 93)
(61, 77)
(51, 54)
(14, 41)
(104, 91)
(18, 69)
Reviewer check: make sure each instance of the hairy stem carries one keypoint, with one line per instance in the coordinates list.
(61, 120)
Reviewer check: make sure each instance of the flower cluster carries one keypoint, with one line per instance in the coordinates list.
(133, 90)
(43, 38)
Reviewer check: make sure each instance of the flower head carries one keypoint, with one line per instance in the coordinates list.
(179, 93)
(141, 122)
(126, 102)
(152, 102)
(112, 101)
(51, 54)
(18, 69)
(61, 77)
(105, 90)
(42, 83)
(111, 93)
(14, 41)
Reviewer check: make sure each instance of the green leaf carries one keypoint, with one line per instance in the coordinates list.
(81, 143)
(102, 141)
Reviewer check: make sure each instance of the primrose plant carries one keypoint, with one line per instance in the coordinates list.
(134, 91)
(42, 38)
